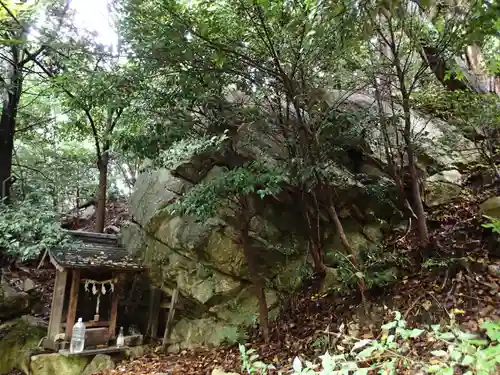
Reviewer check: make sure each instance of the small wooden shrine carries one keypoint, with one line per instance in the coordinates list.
(88, 282)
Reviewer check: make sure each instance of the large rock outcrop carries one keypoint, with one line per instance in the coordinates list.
(208, 266)
(14, 303)
(217, 301)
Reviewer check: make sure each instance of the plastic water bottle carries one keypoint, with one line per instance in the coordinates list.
(120, 340)
(78, 337)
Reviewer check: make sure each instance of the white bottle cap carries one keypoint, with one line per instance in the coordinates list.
(79, 320)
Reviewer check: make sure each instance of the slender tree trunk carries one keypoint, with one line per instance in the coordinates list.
(7, 130)
(410, 148)
(315, 251)
(257, 282)
(393, 166)
(102, 190)
(415, 185)
(347, 246)
(314, 242)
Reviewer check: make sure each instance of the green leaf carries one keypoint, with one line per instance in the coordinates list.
(433, 369)
(467, 360)
(259, 365)
(455, 355)
(365, 353)
(466, 336)
(446, 371)
(447, 336)
(477, 342)
(492, 330)
(362, 371)
(435, 327)
(416, 332)
(390, 325)
(297, 365)
(439, 353)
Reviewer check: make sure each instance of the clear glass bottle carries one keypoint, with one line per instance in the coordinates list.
(120, 340)
(78, 337)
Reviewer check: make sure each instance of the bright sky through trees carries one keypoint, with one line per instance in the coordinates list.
(93, 15)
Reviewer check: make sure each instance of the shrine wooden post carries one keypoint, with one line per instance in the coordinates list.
(56, 314)
(154, 311)
(73, 300)
(115, 298)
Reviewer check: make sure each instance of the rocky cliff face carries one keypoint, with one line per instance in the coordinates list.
(217, 302)
(203, 260)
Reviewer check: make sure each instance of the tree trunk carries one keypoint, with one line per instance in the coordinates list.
(314, 242)
(347, 246)
(474, 80)
(410, 149)
(415, 185)
(257, 282)
(102, 190)
(316, 255)
(7, 130)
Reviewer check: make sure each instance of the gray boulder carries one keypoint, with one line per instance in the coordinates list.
(443, 187)
(491, 207)
(14, 303)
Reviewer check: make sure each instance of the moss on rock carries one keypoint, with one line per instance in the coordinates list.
(55, 363)
(17, 338)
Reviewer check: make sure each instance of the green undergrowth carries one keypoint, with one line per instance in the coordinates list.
(441, 349)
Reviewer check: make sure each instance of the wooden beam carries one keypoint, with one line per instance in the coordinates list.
(154, 311)
(56, 309)
(111, 239)
(73, 300)
(171, 313)
(115, 298)
(55, 264)
(93, 323)
(93, 352)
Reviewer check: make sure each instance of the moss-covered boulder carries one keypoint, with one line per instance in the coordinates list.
(491, 207)
(439, 193)
(204, 260)
(360, 238)
(202, 332)
(55, 363)
(99, 363)
(17, 339)
(443, 187)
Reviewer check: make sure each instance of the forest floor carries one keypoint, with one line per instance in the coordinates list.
(464, 283)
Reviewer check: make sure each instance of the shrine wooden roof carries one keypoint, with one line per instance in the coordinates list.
(94, 250)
